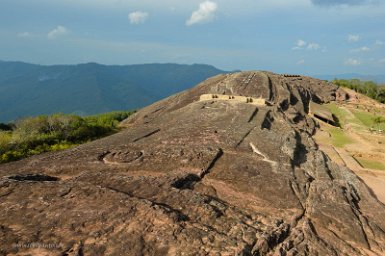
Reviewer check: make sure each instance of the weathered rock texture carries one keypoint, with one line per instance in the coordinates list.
(190, 177)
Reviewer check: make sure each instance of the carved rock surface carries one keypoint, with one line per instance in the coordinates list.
(191, 177)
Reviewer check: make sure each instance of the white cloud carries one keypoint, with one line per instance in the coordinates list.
(313, 46)
(352, 62)
(57, 32)
(382, 60)
(361, 49)
(379, 42)
(204, 14)
(138, 17)
(301, 62)
(353, 38)
(301, 45)
(24, 34)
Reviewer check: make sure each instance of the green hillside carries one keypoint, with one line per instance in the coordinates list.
(30, 90)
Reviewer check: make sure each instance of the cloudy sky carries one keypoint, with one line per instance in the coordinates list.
(296, 36)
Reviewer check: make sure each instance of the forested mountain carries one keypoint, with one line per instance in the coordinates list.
(29, 90)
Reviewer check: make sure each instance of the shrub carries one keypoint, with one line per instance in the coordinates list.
(35, 135)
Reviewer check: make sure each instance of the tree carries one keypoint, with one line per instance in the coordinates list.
(381, 94)
(368, 88)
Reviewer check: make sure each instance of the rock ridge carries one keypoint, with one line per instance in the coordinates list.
(193, 177)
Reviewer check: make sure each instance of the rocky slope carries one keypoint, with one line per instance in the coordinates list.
(193, 177)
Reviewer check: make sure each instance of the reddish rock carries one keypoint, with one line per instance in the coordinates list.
(191, 177)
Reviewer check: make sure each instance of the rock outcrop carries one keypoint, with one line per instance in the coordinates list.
(197, 177)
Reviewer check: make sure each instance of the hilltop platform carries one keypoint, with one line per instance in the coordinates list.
(244, 99)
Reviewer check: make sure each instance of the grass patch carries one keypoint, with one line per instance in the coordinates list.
(364, 117)
(357, 118)
(370, 164)
(337, 111)
(339, 138)
(367, 119)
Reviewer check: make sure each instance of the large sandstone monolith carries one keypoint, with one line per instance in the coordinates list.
(197, 177)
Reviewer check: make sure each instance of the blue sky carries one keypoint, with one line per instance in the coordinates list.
(296, 36)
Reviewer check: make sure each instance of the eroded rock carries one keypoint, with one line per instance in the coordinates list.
(197, 177)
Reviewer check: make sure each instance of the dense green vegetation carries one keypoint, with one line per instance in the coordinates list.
(35, 135)
(87, 89)
(368, 88)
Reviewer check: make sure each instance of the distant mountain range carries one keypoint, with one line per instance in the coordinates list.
(28, 89)
(376, 78)
(84, 89)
